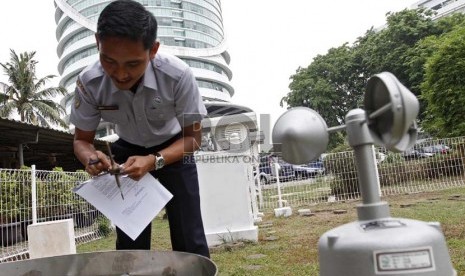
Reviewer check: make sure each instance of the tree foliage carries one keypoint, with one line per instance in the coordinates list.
(334, 83)
(388, 49)
(26, 95)
(326, 87)
(444, 86)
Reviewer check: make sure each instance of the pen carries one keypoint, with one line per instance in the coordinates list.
(93, 162)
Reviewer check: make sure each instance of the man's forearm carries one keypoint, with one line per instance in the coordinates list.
(84, 151)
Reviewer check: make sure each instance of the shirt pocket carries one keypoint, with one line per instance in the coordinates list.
(115, 117)
(157, 117)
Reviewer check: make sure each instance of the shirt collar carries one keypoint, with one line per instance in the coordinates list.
(149, 80)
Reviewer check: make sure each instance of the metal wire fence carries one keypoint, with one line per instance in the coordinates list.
(431, 165)
(54, 201)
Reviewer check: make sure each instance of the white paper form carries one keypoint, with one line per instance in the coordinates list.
(143, 200)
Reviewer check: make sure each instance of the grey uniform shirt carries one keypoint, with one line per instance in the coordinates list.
(166, 100)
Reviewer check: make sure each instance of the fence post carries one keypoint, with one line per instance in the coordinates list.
(253, 191)
(34, 194)
(259, 188)
(276, 168)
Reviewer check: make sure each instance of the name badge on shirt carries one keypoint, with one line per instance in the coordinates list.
(107, 107)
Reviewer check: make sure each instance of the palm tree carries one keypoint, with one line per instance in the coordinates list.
(26, 94)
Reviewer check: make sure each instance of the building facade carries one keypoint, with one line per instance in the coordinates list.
(190, 29)
(441, 7)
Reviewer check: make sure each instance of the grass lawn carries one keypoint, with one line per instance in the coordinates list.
(288, 246)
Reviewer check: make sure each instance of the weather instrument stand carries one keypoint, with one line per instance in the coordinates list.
(376, 244)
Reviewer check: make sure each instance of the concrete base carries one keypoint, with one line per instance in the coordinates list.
(51, 238)
(283, 212)
(232, 236)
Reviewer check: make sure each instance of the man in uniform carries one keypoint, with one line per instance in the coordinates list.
(154, 102)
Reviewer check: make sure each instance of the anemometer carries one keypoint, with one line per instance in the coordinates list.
(376, 244)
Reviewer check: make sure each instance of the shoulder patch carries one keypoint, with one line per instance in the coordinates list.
(77, 100)
(80, 86)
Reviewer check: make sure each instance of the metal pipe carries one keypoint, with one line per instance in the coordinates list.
(380, 111)
(336, 128)
(361, 141)
(373, 115)
(366, 167)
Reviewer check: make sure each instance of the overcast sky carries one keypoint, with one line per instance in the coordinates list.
(268, 40)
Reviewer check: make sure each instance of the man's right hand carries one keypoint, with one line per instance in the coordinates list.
(97, 163)
(94, 160)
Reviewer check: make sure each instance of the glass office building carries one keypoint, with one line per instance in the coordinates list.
(441, 7)
(190, 29)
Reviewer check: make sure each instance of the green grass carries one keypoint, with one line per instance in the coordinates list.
(288, 246)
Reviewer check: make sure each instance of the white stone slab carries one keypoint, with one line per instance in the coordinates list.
(283, 212)
(53, 238)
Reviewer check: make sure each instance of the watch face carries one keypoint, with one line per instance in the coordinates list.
(160, 161)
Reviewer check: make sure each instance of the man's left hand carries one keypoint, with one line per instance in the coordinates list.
(137, 166)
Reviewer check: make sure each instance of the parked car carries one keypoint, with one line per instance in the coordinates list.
(410, 154)
(435, 149)
(307, 171)
(312, 169)
(267, 173)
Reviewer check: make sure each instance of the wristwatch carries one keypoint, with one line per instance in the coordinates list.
(159, 161)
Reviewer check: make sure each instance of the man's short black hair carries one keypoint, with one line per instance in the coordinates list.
(128, 19)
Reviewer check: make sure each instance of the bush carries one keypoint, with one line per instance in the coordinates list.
(15, 196)
(394, 158)
(104, 226)
(55, 197)
(396, 172)
(444, 165)
(458, 148)
(342, 166)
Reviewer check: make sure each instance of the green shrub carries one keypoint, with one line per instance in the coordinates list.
(345, 181)
(401, 171)
(104, 226)
(15, 196)
(444, 165)
(394, 158)
(55, 196)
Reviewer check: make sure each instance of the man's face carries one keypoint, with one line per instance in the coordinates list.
(124, 60)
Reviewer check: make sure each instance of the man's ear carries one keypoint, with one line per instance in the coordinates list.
(154, 49)
(97, 41)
